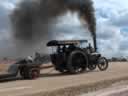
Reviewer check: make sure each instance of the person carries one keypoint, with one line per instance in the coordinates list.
(29, 59)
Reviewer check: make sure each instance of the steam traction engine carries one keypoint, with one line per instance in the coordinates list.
(73, 57)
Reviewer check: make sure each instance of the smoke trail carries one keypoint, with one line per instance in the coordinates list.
(33, 19)
(86, 12)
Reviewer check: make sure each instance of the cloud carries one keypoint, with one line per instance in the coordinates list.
(112, 30)
(111, 27)
(6, 45)
(69, 27)
(121, 20)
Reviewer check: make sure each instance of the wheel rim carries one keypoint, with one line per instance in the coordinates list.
(103, 64)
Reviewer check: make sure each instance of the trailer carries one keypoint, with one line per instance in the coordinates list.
(26, 68)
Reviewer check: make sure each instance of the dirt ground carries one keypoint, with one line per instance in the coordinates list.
(52, 83)
(116, 89)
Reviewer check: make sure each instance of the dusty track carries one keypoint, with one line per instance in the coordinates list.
(51, 81)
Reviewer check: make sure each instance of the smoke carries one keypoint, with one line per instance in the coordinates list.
(32, 20)
(86, 11)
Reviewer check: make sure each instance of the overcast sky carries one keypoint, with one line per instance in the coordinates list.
(112, 26)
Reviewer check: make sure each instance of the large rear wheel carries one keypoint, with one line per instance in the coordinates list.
(77, 62)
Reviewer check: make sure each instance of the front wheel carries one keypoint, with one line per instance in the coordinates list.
(102, 63)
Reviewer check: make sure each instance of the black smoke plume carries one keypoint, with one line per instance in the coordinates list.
(33, 19)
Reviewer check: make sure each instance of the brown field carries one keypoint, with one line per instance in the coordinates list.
(52, 83)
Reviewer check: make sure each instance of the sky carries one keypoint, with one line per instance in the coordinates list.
(112, 27)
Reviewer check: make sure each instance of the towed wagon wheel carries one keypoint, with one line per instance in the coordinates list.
(102, 63)
(77, 62)
(30, 73)
(34, 73)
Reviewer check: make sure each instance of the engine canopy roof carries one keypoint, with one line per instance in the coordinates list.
(65, 42)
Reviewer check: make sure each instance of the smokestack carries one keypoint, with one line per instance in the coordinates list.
(32, 19)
